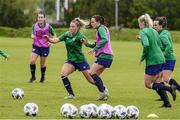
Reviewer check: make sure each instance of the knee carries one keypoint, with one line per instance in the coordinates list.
(43, 65)
(32, 61)
(63, 75)
(93, 75)
(148, 85)
(166, 78)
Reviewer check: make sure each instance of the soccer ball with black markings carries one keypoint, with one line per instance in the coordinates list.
(132, 112)
(31, 109)
(17, 93)
(119, 112)
(68, 110)
(105, 111)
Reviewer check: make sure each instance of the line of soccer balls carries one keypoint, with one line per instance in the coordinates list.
(103, 111)
(68, 110)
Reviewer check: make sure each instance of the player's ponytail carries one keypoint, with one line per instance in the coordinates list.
(146, 19)
(100, 19)
(81, 24)
(162, 21)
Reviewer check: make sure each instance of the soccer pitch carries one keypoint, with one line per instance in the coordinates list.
(125, 81)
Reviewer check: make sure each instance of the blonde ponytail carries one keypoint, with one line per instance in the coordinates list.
(149, 20)
(146, 19)
(81, 23)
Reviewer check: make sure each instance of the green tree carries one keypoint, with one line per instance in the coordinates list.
(17, 13)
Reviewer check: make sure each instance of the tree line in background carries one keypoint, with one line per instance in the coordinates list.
(21, 13)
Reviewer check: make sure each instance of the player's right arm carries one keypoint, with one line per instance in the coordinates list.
(85, 41)
(145, 44)
(55, 40)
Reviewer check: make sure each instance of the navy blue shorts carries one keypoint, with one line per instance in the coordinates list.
(80, 66)
(106, 63)
(41, 51)
(154, 69)
(169, 65)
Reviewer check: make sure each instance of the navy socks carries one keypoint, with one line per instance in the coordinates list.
(43, 70)
(67, 85)
(160, 86)
(163, 95)
(98, 82)
(33, 69)
(173, 82)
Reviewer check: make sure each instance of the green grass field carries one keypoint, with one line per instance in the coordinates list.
(124, 81)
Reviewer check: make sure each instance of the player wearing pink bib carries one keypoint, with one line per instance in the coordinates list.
(40, 46)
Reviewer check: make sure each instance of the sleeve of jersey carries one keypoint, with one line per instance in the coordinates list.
(2, 53)
(145, 44)
(33, 29)
(62, 37)
(104, 39)
(166, 43)
(88, 44)
(52, 31)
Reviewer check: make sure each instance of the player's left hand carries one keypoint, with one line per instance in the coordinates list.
(138, 37)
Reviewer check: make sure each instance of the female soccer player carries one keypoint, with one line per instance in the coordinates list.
(40, 46)
(154, 58)
(160, 24)
(103, 52)
(75, 57)
(4, 54)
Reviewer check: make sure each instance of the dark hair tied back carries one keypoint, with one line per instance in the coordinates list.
(162, 21)
(100, 19)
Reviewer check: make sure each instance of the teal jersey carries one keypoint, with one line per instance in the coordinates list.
(2, 53)
(51, 30)
(167, 44)
(106, 56)
(101, 31)
(73, 46)
(151, 47)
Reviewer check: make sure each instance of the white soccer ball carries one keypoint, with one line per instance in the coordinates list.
(85, 111)
(132, 112)
(105, 111)
(119, 112)
(31, 109)
(17, 93)
(88, 111)
(95, 110)
(68, 111)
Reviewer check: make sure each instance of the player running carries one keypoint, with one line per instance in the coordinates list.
(103, 52)
(154, 58)
(75, 57)
(160, 24)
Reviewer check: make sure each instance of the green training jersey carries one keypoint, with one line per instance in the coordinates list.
(151, 47)
(167, 44)
(106, 56)
(73, 46)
